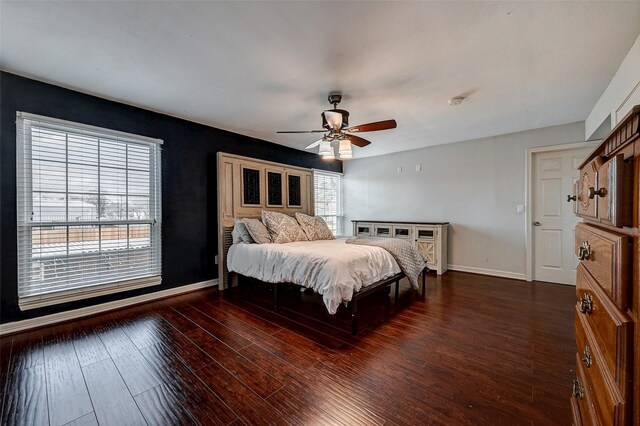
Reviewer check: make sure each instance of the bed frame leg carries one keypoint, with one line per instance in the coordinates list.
(234, 281)
(424, 284)
(397, 290)
(354, 317)
(275, 296)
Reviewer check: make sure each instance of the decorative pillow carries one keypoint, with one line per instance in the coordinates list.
(283, 228)
(322, 230)
(257, 230)
(314, 227)
(240, 234)
(308, 225)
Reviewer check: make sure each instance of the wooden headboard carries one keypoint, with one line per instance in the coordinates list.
(246, 186)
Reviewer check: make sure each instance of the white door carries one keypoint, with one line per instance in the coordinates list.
(554, 223)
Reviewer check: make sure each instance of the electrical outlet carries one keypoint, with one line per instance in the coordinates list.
(418, 167)
(399, 170)
(520, 208)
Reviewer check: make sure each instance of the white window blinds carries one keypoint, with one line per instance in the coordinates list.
(328, 198)
(88, 210)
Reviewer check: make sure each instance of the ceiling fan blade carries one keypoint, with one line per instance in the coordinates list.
(301, 131)
(372, 127)
(313, 145)
(358, 141)
(333, 119)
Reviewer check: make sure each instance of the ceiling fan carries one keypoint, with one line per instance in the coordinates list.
(335, 123)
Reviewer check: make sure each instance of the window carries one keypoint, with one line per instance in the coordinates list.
(88, 211)
(327, 188)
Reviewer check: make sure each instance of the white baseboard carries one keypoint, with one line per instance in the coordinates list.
(14, 327)
(492, 272)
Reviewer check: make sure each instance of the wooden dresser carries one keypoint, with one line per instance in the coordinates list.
(606, 388)
(429, 238)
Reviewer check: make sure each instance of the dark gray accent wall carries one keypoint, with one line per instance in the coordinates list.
(189, 236)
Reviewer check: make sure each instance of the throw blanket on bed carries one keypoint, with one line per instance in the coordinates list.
(410, 260)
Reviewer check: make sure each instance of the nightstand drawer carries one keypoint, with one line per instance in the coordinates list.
(611, 328)
(606, 255)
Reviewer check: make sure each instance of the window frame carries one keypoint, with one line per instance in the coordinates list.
(339, 198)
(26, 210)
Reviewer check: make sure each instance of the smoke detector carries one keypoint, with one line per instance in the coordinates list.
(456, 100)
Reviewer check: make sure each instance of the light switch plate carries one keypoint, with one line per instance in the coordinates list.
(216, 259)
(520, 208)
(399, 169)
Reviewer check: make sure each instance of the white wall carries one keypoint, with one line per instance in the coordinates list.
(622, 93)
(476, 185)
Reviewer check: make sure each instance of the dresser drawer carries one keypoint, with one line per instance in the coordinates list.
(403, 232)
(612, 330)
(586, 201)
(364, 229)
(383, 230)
(607, 402)
(581, 403)
(615, 192)
(606, 255)
(576, 418)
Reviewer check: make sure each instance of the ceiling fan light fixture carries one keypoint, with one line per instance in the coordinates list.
(345, 149)
(330, 155)
(325, 148)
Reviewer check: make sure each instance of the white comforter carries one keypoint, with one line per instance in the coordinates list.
(332, 268)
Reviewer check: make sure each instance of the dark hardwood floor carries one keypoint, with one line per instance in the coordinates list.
(480, 350)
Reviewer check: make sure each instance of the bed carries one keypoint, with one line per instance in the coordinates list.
(342, 273)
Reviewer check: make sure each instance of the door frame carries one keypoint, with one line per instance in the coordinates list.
(528, 190)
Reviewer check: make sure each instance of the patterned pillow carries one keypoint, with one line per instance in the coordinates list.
(315, 227)
(322, 230)
(257, 230)
(308, 225)
(283, 228)
(240, 233)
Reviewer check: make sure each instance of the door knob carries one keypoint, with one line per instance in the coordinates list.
(536, 223)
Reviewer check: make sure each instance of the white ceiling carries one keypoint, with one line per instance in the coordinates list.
(258, 67)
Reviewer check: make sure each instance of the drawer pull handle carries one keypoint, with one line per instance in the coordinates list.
(593, 192)
(584, 251)
(571, 198)
(586, 304)
(577, 389)
(586, 356)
